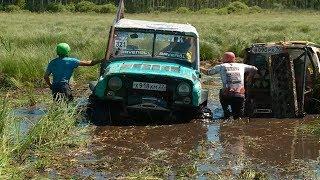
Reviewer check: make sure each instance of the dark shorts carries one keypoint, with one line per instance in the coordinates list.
(236, 103)
(61, 91)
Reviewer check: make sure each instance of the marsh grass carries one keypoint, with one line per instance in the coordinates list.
(25, 152)
(28, 40)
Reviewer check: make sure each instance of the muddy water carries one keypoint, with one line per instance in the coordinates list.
(276, 148)
(29, 116)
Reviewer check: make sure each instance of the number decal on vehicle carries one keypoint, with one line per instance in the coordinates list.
(119, 44)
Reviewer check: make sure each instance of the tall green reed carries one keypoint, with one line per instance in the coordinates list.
(55, 130)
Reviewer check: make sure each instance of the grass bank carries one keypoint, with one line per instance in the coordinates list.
(28, 40)
(44, 147)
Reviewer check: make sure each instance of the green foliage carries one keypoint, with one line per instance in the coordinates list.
(207, 11)
(207, 51)
(278, 27)
(1, 7)
(278, 6)
(238, 45)
(20, 3)
(106, 8)
(54, 131)
(142, 6)
(156, 12)
(222, 11)
(70, 7)
(26, 48)
(305, 28)
(255, 9)
(85, 6)
(183, 10)
(237, 7)
(56, 7)
(12, 8)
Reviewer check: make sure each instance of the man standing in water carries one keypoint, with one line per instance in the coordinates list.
(233, 91)
(62, 69)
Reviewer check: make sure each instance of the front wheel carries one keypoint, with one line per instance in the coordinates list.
(98, 112)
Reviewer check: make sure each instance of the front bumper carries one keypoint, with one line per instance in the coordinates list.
(150, 104)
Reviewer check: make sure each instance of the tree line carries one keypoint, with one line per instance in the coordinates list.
(169, 5)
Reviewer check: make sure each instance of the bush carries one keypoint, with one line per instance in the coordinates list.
(156, 12)
(207, 11)
(12, 8)
(162, 9)
(237, 46)
(107, 8)
(183, 10)
(237, 7)
(277, 6)
(20, 3)
(1, 7)
(207, 52)
(55, 7)
(222, 11)
(255, 9)
(85, 6)
(70, 7)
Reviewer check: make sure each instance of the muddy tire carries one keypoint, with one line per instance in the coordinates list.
(98, 112)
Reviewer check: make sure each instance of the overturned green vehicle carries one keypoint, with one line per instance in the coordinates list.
(154, 67)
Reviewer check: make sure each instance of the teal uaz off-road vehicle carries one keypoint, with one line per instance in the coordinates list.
(154, 67)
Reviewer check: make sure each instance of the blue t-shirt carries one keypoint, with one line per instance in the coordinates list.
(62, 69)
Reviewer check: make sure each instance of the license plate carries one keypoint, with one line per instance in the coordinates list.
(149, 86)
(267, 50)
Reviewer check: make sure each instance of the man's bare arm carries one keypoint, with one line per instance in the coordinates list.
(90, 63)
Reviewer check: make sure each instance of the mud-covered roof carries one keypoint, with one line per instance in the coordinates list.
(160, 26)
(289, 44)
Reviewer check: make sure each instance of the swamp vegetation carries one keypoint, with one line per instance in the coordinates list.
(50, 146)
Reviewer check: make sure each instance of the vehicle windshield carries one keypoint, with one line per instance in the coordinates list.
(157, 45)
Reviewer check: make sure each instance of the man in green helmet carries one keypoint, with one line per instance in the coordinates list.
(62, 69)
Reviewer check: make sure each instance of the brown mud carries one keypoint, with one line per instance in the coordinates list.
(272, 148)
(267, 148)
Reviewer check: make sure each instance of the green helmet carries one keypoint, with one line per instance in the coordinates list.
(63, 49)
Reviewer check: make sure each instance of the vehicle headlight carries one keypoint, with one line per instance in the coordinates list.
(115, 83)
(184, 89)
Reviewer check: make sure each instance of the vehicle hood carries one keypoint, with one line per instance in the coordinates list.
(151, 68)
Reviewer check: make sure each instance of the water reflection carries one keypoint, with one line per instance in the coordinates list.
(274, 145)
(135, 145)
(29, 116)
